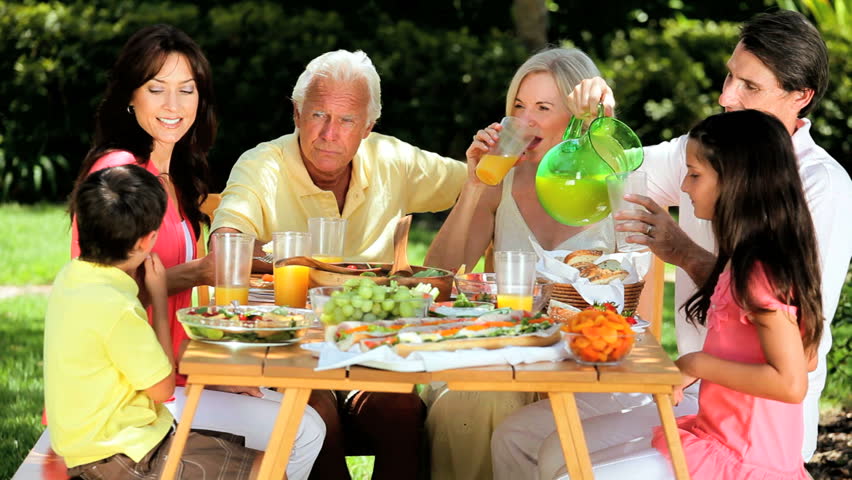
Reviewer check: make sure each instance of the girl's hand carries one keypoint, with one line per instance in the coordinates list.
(483, 141)
(686, 381)
(659, 230)
(584, 99)
(155, 277)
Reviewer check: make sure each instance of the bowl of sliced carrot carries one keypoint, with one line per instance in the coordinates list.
(597, 337)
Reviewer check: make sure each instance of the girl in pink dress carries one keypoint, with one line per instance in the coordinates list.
(762, 307)
(761, 303)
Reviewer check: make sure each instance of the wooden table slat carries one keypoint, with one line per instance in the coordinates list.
(357, 373)
(647, 363)
(294, 361)
(222, 359)
(568, 371)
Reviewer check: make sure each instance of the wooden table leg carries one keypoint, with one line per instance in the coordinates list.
(571, 435)
(193, 394)
(283, 434)
(667, 418)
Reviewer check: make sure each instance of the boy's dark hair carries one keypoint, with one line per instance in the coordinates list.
(792, 48)
(760, 215)
(115, 207)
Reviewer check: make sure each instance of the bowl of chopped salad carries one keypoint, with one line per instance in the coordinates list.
(262, 325)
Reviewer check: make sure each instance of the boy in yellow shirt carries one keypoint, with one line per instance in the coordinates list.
(106, 371)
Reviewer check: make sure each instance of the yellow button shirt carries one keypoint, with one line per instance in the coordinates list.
(100, 353)
(269, 190)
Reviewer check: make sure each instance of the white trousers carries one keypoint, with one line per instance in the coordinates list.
(526, 445)
(254, 418)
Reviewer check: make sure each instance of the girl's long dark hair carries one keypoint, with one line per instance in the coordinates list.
(116, 129)
(761, 215)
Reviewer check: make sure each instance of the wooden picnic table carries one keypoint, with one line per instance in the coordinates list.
(647, 369)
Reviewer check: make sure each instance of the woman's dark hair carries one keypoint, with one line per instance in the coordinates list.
(115, 207)
(116, 129)
(761, 215)
(792, 48)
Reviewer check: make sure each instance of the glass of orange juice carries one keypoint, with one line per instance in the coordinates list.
(291, 281)
(233, 255)
(515, 135)
(327, 235)
(515, 275)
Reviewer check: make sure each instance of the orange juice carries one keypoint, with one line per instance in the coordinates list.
(516, 302)
(328, 259)
(291, 285)
(492, 168)
(573, 201)
(226, 295)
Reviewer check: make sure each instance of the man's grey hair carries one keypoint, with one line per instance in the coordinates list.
(342, 66)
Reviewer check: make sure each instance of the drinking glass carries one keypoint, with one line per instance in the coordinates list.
(291, 281)
(233, 256)
(618, 185)
(515, 271)
(515, 135)
(327, 235)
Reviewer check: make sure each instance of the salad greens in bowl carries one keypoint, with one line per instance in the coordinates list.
(262, 325)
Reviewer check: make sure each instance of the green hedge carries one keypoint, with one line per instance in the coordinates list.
(440, 83)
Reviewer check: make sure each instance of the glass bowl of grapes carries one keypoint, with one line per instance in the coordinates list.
(364, 300)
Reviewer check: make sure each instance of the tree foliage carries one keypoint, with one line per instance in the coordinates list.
(445, 67)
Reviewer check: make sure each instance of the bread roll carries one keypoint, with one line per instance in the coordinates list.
(604, 277)
(611, 264)
(489, 343)
(582, 256)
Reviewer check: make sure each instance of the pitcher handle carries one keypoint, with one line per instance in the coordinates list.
(575, 126)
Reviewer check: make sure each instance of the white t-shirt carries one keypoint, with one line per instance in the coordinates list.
(828, 191)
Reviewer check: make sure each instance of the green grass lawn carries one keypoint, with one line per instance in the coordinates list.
(36, 247)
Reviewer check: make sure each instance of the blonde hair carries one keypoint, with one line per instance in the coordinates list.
(342, 66)
(569, 66)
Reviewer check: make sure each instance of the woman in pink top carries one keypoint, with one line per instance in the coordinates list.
(762, 308)
(157, 112)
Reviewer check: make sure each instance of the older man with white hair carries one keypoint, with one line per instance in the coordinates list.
(334, 165)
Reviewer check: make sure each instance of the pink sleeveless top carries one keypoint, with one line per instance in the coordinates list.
(175, 244)
(735, 435)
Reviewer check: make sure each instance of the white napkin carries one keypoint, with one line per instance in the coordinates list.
(551, 266)
(385, 358)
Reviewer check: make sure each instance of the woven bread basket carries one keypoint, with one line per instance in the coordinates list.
(565, 292)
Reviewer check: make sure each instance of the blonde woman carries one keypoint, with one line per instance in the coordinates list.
(460, 424)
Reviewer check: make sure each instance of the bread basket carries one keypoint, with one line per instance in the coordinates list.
(565, 292)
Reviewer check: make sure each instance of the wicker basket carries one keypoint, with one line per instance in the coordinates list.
(565, 292)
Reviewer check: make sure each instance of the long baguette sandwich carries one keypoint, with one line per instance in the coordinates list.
(409, 335)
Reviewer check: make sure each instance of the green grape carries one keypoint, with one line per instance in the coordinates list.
(352, 283)
(327, 318)
(377, 308)
(379, 293)
(365, 292)
(369, 317)
(366, 306)
(406, 309)
(329, 307)
(341, 300)
(339, 316)
(348, 310)
(382, 314)
(357, 302)
(357, 314)
(387, 305)
(402, 294)
(365, 283)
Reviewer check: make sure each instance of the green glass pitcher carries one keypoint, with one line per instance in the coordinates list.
(571, 178)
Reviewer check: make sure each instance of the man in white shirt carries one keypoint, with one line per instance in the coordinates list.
(779, 66)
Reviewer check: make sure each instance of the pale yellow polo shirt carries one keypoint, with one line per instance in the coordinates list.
(100, 353)
(269, 190)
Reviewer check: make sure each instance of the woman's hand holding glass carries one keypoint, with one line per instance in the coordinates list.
(482, 143)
